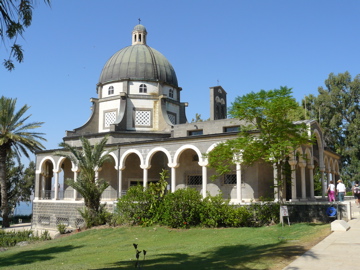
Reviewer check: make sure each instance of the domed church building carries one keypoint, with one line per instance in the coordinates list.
(139, 108)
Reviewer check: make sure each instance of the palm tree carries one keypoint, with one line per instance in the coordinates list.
(17, 138)
(88, 159)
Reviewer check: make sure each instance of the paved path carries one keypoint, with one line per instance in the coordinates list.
(340, 250)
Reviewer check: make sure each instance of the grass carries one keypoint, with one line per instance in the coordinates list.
(197, 248)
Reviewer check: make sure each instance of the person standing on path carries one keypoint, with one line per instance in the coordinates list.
(340, 189)
(356, 192)
(331, 192)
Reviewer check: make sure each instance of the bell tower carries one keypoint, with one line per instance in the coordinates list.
(218, 106)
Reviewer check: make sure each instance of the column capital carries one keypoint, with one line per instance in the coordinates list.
(311, 166)
(121, 168)
(292, 162)
(302, 164)
(203, 163)
(173, 165)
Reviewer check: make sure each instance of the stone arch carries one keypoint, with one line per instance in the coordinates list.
(320, 145)
(65, 170)
(126, 154)
(189, 172)
(331, 164)
(108, 172)
(299, 157)
(308, 156)
(154, 151)
(116, 159)
(131, 168)
(326, 164)
(157, 160)
(46, 177)
(210, 148)
(43, 161)
(336, 167)
(185, 147)
(226, 183)
(309, 173)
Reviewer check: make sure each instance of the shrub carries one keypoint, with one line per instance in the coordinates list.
(140, 206)
(61, 228)
(185, 208)
(136, 207)
(181, 209)
(265, 213)
(11, 238)
(243, 217)
(216, 212)
(92, 218)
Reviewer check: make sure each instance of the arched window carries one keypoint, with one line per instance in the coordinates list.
(142, 88)
(111, 90)
(171, 93)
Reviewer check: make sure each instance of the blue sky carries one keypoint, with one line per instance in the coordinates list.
(245, 45)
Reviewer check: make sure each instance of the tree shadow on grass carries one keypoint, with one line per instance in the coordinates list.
(244, 257)
(31, 256)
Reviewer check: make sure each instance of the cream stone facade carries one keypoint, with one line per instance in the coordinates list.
(139, 108)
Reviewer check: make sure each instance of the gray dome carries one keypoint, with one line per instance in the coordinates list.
(138, 62)
(139, 27)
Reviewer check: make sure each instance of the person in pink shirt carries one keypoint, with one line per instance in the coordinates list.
(331, 192)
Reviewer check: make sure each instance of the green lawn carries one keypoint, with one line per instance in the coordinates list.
(198, 248)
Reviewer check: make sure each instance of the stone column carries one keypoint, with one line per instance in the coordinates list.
(333, 176)
(293, 163)
(145, 177)
(323, 187)
(173, 179)
(37, 193)
(302, 166)
(43, 186)
(56, 183)
(173, 167)
(120, 170)
(75, 179)
(238, 182)
(311, 175)
(276, 187)
(204, 180)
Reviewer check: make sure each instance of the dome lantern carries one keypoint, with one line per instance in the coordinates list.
(139, 35)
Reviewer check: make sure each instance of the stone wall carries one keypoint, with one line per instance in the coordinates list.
(48, 214)
(317, 212)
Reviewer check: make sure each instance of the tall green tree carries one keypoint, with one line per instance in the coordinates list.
(89, 158)
(16, 138)
(337, 109)
(269, 133)
(20, 181)
(15, 16)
